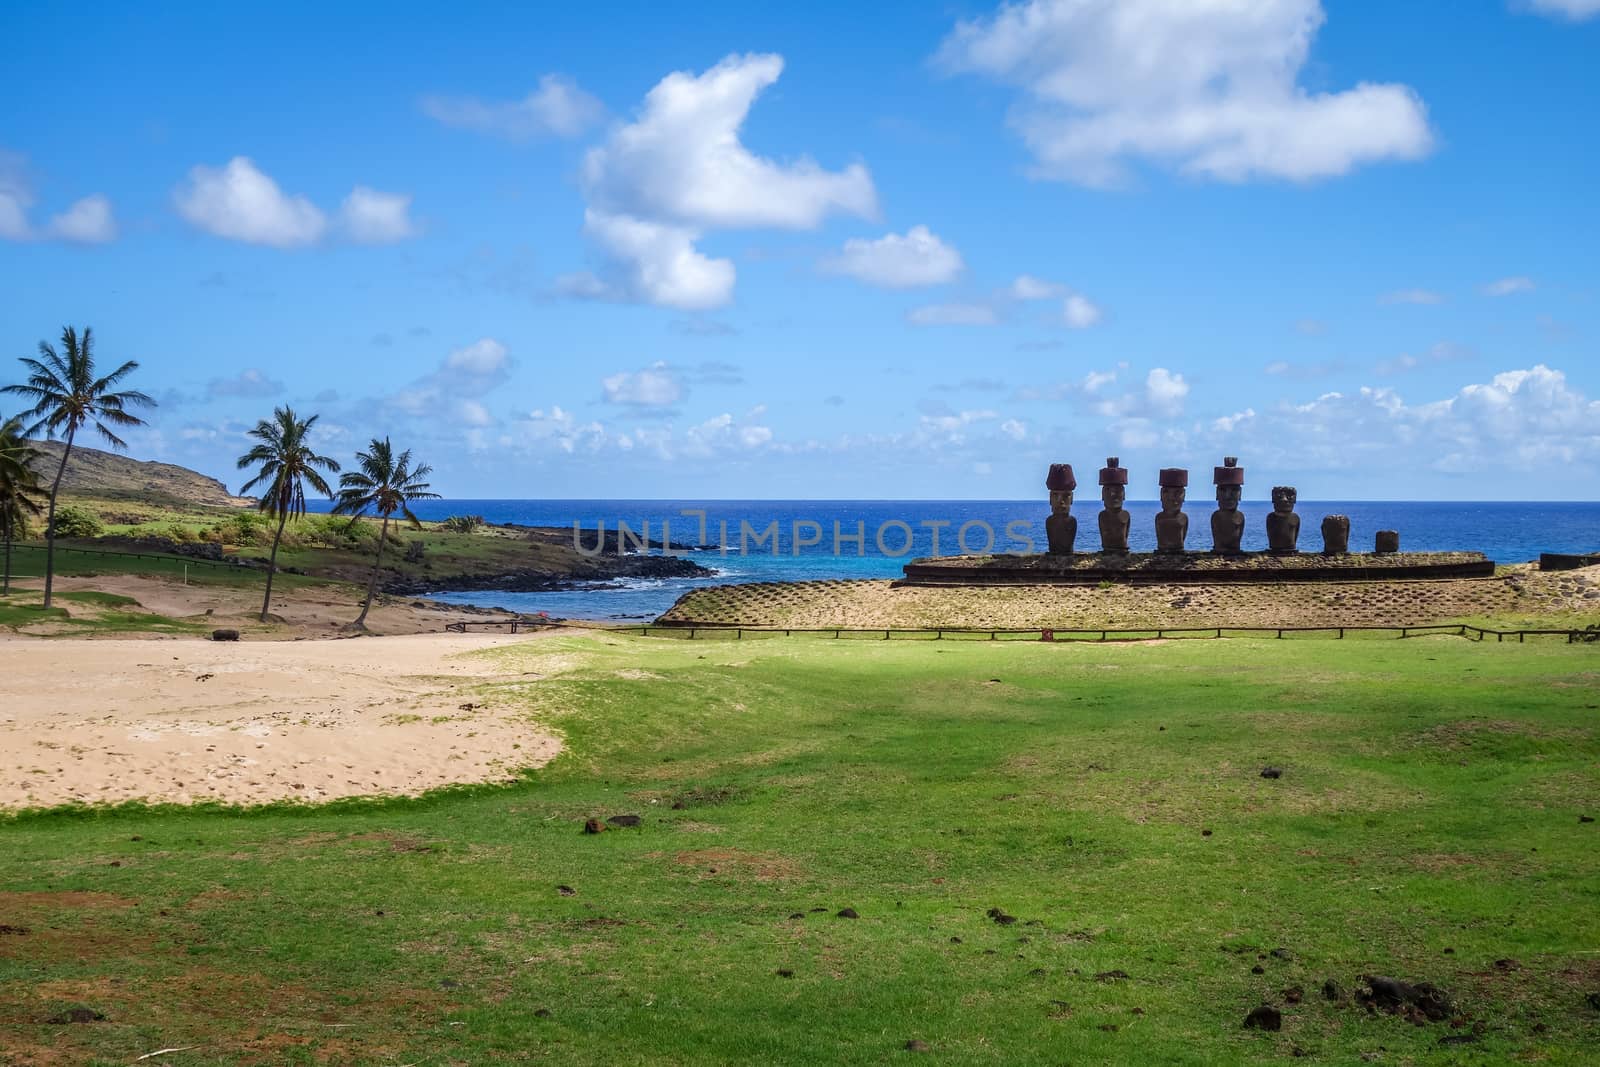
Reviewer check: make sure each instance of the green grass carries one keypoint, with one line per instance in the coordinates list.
(1426, 826)
(81, 560)
(112, 614)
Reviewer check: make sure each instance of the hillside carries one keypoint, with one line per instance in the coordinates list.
(108, 476)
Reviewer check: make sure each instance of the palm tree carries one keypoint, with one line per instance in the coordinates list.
(385, 484)
(286, 463)
(67, 396)
(18, 485)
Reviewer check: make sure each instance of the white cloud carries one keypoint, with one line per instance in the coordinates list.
(1508, 286)
(558, 429)
(681, 160)
(1441, 352)
(652, 263)
(15, 198)
(88, 221)
(1027, 287)
(474, 414)
(373, 218)
(1094, 381)
(557, 108)
(1165, 391)
(1014, 429)
(1228, 424)
(655, 386)
(679, 169)
(953, 315)
(248, 383)
(482, 358)
(1411, 296)
(241, 203)
(1508, 427)
(1572, 10)
(1210, 88)
(452, 391)
(1079, 312)
(951, 429)
(893, 261)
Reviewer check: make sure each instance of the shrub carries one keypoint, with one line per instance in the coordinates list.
(329, 531)
(462, 523)
(77, 522)
(244, 528)
(180, 533)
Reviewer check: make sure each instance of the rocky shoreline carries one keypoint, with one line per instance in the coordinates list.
(602, 571)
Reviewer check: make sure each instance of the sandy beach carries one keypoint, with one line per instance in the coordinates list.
(189, 720)
(320, 611)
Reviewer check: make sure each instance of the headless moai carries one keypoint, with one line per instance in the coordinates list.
(1335, 535)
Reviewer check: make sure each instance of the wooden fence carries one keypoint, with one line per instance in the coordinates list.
(228, 564)
(1098, 634)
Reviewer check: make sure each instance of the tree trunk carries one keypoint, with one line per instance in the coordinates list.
(272, 562)
(5, 588)
(372, 585)
(50, 521)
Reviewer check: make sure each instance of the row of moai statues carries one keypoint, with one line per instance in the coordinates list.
(1172, 525)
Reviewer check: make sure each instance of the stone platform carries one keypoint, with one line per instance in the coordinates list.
(1192, 568)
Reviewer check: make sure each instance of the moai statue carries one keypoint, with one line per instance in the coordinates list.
(1113, 520)
(1172, 525)
(1227, 525)
(1387, 541)
(1335, 535)
(1061, 528)
(1283, 525)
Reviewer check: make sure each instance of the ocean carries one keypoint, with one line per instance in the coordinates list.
(1505, 532)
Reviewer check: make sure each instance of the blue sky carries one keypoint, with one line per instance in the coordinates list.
(835, 250)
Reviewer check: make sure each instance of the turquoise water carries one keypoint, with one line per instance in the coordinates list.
(1505, 532)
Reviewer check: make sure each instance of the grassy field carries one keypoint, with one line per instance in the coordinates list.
(1427, 825)
(95, 614)
(325, 546)
(80, 560)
